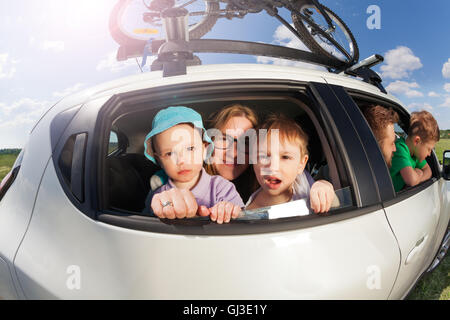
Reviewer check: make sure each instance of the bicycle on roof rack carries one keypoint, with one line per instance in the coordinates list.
(317, 26)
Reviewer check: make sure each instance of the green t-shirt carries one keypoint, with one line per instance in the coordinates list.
(400, 160)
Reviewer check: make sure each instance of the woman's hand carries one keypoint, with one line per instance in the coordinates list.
(321, 196)
(224, 211)
(179, 204)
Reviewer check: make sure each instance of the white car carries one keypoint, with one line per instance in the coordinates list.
(70, 211)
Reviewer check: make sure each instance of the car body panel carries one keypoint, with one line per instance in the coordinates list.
(17, 205)
(414, 223)
(313, 263)
(7, 289)
(444, 218)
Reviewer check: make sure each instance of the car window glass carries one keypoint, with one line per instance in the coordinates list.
(399, 132)
(113, 142)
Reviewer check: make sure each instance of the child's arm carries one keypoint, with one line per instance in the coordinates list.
(322, 196)
(426, 172)
(411, 177)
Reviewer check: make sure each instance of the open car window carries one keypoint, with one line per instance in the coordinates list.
(129, 174)
(400, 129)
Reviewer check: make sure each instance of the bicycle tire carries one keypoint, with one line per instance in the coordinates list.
(311, 42)
(195, 32)
(206, 24)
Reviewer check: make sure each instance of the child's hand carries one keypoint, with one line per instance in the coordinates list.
(175, 203)
(224, 211)
(419, 172)
(321, 196)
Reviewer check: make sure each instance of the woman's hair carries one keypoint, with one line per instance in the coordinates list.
(220, 118)
(379, 118)
(424, 125)
(288, 129)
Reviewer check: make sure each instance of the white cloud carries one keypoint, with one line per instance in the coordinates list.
(446, 103)
(54, 46)
(446, 69)
(22, 106)
(419, 107)
(433, 94)
(110, 63)
(399, 63)
(7, 69)
(24, 111)
(406, 88)
(68, 91)
(447, 87)
(17, 119)
(284, 37)
(47, 45)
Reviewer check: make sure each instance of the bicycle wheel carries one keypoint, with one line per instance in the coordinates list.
(317, 42)
(128, 28)
(209, 16)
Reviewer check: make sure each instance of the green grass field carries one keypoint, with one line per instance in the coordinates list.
(434, 286)
(441, 146)
(6, 162)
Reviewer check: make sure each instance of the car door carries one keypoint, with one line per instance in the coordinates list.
(76, 249)
(414, 214)
(414, 217)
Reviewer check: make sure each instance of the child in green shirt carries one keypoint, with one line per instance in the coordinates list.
(409, 167)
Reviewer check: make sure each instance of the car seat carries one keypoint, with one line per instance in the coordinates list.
(129, 181)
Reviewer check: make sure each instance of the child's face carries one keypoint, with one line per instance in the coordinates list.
(423, 149)
(180, 152)
(278, 165)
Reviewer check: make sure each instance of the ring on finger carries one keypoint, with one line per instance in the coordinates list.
(166, 203)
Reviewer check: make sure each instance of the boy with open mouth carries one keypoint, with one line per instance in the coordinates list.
(281, 159)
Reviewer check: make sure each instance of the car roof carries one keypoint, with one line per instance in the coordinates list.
(218, 72)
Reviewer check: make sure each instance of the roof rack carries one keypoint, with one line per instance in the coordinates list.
(362, 70)
(177, 51)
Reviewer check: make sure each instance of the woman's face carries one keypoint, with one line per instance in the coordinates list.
(226, 160)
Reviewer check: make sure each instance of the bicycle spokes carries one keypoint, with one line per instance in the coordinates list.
(334, 40)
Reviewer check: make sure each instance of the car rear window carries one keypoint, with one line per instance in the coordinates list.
(128, 175)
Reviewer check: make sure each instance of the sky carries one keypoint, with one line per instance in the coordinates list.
(52, 48)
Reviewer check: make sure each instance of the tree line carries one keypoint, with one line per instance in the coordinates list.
(445, 134)
(10, 151)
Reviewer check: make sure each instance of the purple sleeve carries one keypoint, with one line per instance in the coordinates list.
(226, 191)
(310, 179)
(164, 187)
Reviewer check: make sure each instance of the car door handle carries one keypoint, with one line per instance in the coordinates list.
(420, 244)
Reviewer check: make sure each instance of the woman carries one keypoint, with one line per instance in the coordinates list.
(233, 122)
